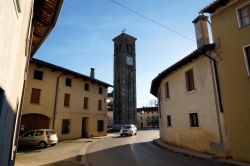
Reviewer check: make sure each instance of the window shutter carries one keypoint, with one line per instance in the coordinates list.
(85, 103)
(35, 96)
(66, 99)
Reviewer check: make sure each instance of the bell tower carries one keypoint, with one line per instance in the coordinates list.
(124, 80)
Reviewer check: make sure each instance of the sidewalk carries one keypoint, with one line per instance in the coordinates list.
(185, 152)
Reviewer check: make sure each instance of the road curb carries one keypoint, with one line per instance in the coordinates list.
(198, 155)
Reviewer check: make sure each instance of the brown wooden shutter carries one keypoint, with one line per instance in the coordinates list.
(100, 105)
(190, 80)
(85, 104)
(166, 90)
(66, 99)
(192, 87)
(35, 96)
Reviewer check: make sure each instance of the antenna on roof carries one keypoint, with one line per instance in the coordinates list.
(124, 30)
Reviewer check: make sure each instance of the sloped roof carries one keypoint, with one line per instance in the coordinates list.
(194, 55)
(45, 17)
(147, 109)
(55, 67)
(211, 8)
(124, 35)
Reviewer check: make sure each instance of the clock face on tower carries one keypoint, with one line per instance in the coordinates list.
(129, 60)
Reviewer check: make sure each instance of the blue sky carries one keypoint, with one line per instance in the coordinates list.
(83, 37)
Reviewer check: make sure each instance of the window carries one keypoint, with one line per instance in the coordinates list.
(66, 100)
(1, 100)
(190, 80)
(68, 82)
(35, 96)
(166, 90)
(100, 125)
(38, 75)
(99, 105)
(39, 133)
(169, 123)
(100, 90)
(29, 134)
(65, 126)
(247, 58)
(85, 104)
(244, 15)
(194, 121)
(86, 87)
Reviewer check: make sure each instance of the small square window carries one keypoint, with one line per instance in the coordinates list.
(86, 87)
(194, 121)
(38, 75)
(68, 82)
(169, 123)
(244, 15)
(100, 90)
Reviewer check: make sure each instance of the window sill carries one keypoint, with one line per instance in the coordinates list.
(191, 92)
(35, 103)
(195, 128)
(67, 107)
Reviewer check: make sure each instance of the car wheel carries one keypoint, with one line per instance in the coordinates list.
(135, 133)
(121, 135)
(53, 144)
(43, 144)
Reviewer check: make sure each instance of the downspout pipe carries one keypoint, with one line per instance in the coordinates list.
(217, 84)
(55, 103)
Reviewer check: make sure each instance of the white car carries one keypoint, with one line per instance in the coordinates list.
(128, 130)
(41, 137)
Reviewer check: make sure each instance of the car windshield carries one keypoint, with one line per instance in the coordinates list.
(126, 127)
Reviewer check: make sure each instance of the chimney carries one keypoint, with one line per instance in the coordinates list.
(201, 31)
(92, 73)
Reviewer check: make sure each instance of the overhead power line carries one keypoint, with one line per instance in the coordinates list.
(151, 20)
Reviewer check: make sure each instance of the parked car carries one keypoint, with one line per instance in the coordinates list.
(41, 137)
(128, 130)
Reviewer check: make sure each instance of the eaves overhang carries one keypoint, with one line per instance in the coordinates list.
(194, 55)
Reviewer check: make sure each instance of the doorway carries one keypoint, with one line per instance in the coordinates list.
(84, 127)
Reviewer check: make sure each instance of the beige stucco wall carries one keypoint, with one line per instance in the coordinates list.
(142, 118)
(235, 82)
(181, 103)
(75, 112)
(14, 29)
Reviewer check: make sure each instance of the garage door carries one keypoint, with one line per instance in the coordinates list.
(34, 121)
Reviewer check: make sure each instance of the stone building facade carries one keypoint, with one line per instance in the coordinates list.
(124, 80)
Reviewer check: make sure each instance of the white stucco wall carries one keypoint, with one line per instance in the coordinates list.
(14, 29)
(181, 103)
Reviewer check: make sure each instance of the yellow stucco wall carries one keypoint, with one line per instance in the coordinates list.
(75, 112)
(181, 103)
(14, 27)
(235, 83)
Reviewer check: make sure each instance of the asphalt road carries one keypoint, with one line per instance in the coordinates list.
(137, 151)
